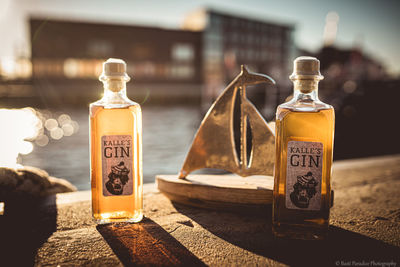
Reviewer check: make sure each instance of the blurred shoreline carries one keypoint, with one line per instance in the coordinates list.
(23, 93)
(167, 134)
(366, 124)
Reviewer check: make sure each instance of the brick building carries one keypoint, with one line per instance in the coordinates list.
(197, 61)
(69, 54)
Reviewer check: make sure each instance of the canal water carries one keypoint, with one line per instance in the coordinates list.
(167, 134)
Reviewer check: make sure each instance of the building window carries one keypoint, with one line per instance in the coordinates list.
(264, 55)
(215, 21)
(142, 51)
(250, 55)
(182, 52)
(99, 48)
(181, 71)
(234, 22)
(250, 38)
(249, 25)
(234, 37)
(75, 68)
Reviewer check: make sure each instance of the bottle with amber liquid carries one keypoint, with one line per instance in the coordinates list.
(304, 150)
(116, 150)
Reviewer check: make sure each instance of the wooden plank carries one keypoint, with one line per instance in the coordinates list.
(218, 191)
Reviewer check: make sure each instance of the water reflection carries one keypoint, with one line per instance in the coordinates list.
(167, 134)
(22, 127)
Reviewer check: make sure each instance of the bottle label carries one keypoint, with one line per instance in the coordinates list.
(303, 175)
(117, 158)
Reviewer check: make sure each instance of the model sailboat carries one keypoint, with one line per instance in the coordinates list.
(214, 142)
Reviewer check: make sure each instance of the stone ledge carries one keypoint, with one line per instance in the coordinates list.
(365, 226)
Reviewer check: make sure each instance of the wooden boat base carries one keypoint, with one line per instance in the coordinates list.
(227, 192)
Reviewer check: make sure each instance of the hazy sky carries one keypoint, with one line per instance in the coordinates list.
(373, 24)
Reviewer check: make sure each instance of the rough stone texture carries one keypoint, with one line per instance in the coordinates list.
(365, 228)
(30, 182)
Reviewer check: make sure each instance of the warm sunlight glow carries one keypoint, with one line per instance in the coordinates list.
(27, 125)
(21, 125)
(15, 68)
(1, 208)
(7, 67)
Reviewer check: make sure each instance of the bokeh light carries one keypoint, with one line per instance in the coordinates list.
(349, 86)
(20, 125)
(42, 140)
(25, 148)
(64, 119)
(56, 133)
(75, 125)
(68, 129)
(51, 124)
(27, 125)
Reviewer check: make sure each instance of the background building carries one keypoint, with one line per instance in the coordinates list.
(68, 55)
(230, 40)
(195, 63)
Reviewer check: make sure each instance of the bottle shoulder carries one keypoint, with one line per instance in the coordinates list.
(286, 108)
(121, 103)
(99, 107)
(305, 106)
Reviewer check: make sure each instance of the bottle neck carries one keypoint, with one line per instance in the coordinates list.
(305, 90)
(115, 92)
(114, 85)
(305, 96)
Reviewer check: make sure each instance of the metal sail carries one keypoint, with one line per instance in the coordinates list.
(214, 145)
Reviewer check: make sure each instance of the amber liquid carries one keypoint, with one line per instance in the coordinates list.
(315, 126)
(116, 121)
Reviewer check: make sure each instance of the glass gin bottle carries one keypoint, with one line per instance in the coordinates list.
(304, 151)
(116, 150)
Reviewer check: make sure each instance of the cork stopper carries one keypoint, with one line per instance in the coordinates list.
(306, 68)
(114, 68)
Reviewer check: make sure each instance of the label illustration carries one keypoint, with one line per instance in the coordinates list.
(303, 175)
(117, 165)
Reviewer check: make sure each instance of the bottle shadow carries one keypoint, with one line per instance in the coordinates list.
(24, 227)
(252, 232)
(146, 243)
